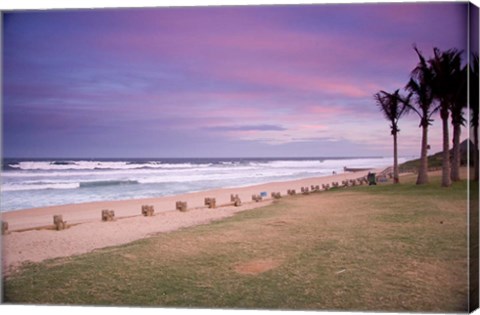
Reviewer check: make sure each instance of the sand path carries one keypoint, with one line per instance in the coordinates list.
(89, 233)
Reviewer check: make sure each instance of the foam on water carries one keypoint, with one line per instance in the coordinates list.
(39, 186)
(27, 184)
(96, 165)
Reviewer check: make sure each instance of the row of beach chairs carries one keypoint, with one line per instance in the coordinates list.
(211, 203)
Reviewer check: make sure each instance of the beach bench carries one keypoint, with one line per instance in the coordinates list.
(181, 206)
(237, 202)
(314, 188)
(4, 227)
(59, 223)
(211, 203)
(256, 198)
(276, 195)
(147, 211)
(108, 215)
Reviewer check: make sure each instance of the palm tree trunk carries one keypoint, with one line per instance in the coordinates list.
(396, 179)
(423, 167)
(475, 151)
(455, 171)
(446, 182)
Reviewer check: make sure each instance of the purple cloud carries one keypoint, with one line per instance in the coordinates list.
(247, 128)
(161, 81)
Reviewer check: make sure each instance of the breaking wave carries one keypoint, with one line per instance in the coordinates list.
(37, 183)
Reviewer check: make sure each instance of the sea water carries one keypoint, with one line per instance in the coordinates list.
(31, 183)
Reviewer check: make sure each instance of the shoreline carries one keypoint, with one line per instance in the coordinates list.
(30, 239)
(31, 218)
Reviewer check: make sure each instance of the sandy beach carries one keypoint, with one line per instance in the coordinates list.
(28, 241)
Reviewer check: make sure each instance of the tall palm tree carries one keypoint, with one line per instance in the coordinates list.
(458, 120)
(421, 88)
(393, 107)
(474, 103)
(445, 67)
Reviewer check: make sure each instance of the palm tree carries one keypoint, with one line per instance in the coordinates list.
(458, 120)
(474, 103)
(393, 106)
(421, 88)
(445, 67)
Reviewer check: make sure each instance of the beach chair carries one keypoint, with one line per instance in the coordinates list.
(59, 223)
(181, 206)
(108, 215)
(211, 203)
(4, 227)
(256, 198)
(276, 195)
(237, 202)
(147, 210)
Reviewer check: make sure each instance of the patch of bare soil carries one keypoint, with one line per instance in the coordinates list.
(255, 267)
(277, 223)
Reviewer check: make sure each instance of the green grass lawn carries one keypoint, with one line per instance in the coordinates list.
(374, 248)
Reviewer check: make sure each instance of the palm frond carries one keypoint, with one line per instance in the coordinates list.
(420, 85)
(474, 90)
(393, 106)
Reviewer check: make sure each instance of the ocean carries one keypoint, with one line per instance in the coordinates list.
(31, 183)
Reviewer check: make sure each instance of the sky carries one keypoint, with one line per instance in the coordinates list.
(242, 81)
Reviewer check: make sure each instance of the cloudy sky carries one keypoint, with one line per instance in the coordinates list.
(243, 81)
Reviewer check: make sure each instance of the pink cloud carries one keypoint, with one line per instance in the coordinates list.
(313, 127)
(299, 81)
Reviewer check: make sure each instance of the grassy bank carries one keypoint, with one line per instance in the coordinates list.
(385, 248)
(435, 160)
